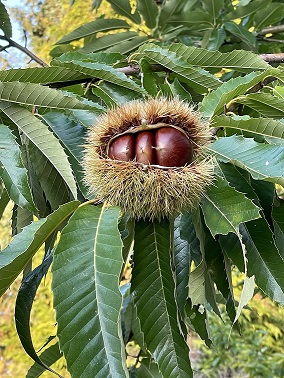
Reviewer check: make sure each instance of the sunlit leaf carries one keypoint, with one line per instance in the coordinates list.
(123, 7)
(99, 25)
(149, 11)
(246, 295)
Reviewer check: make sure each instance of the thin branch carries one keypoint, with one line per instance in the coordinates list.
(273, 58)
(274, 40)
(24, 50)
(272, 30)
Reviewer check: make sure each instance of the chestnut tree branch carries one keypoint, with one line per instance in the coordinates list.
(12, 43)
(272, 30)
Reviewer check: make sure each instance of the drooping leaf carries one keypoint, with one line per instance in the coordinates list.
(93, 27)
(17, 254)
(198, 78)
(24, 302)
(197, 285)
(49, 356)
(149, 11)
(224, 208)
(263, 259)
(196, 319)
(246, 295)
(262, 161)
(5, 22)
(14, 174)
(153, 288)
(259, 126)
(148, 78)
(86, 270)
(182, 259)
(43, 139)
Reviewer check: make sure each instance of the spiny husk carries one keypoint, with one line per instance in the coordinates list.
(145, 191)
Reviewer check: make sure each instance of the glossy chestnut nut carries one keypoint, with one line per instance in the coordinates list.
(122, 148)
(173, 148)
(166, 146)
(144, 147)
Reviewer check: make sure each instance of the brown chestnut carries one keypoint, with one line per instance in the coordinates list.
(122, 148)
(144, 151)
(173, 148)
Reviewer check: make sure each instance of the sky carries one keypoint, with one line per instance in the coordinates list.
(15, 57)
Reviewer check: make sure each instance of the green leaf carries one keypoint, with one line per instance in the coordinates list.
(238, 60)
(123, 7)
(128, 45)
(169, 9)
(49, 356)
(196, 285)
(15, 174)
(242, 33)
(72, 134)
(107, 41)
(278, 213)
(4, 200)
(246, 295)
(148, 369)
(196, 319)
(182, 260)
(55, 189)
(18, 253)
(247, 10)
(43, 75)
(104, 72)
(93, 27)
(261, 126)
(5, 22)
(269, 15)
(263, 259)
(213, 7)
(43, 139)
(153, 288)
(87, 300)
(179, 91)
(224, 208)
(148, 78)
(264, 103)
(262, 161)
(198, 78)
(149, 11)
(24, 302)
(214, 102)
(37, 95)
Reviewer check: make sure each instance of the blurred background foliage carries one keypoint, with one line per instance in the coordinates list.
(257, 352)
